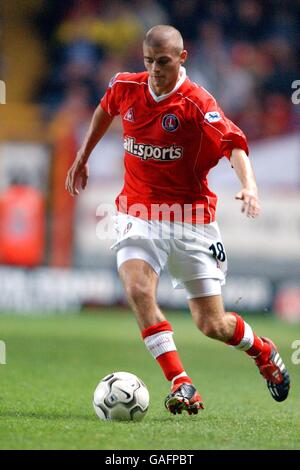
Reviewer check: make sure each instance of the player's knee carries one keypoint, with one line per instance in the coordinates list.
(139, 293)
(207, 328)
(212, 329)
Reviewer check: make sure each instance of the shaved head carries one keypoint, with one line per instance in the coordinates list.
(164, 36)
(163, 57)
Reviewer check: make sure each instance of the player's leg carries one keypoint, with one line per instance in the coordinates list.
(210, 317)
(140, 281)
(199, 263)
(140, 284)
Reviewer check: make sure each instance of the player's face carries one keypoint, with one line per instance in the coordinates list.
(163, 64)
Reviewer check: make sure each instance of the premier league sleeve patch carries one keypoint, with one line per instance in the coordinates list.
(213, 116)
(170, 122)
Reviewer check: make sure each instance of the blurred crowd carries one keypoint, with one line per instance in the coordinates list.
(245, 52)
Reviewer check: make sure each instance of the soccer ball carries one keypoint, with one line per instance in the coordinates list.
(121, 396)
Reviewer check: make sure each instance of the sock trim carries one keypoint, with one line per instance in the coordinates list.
(182, 374)
(160, 343)
(248, 338)
(157, 328)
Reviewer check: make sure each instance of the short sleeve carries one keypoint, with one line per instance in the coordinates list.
(110, 101)
(225, 134)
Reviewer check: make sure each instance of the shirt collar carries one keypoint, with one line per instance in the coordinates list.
(182, 73)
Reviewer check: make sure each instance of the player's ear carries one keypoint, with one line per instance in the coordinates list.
(183, 56)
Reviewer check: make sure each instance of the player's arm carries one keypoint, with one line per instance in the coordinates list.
(79, 170)
(232, 144)
(248, 194)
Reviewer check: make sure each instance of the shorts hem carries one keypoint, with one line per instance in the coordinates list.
(208, 294)
(138, 256)
(180, 285)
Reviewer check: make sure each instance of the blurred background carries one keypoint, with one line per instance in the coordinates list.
(56, 59)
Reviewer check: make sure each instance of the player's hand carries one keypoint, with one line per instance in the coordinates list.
(77, 174)
(251, 205)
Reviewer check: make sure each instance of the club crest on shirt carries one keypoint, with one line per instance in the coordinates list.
(170, 122)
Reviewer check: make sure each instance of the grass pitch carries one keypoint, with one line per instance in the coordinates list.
(55, 362)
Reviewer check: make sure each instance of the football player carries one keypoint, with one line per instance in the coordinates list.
(174, 133)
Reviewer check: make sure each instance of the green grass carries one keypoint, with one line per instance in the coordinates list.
(55, 362)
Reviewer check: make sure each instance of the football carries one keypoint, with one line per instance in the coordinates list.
(121, 396)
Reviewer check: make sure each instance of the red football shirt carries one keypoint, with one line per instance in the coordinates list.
(171, 142)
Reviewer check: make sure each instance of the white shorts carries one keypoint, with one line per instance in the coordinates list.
(194, 254)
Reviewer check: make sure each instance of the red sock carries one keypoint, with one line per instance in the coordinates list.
(158, 340)
(246, 340)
